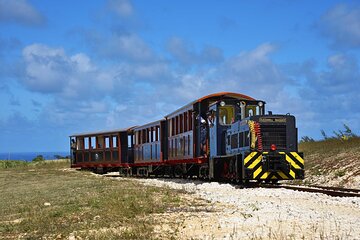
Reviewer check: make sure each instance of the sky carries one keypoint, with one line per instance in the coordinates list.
(78, 66)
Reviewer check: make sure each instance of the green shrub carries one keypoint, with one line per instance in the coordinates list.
(340, 173)
(12, 163)
(39, 158)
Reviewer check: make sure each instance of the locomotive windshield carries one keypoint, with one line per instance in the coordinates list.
(226, 114)
(253, 110)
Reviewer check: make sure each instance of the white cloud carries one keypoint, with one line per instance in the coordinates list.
(46, 69)
(20, 11)
(122, 8)
(83, 62)
(342, 24)
(185, 53)
(330, 95)
(51, 70)
(121, 47)
(148, 90)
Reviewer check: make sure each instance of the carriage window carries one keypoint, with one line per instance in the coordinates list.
(100, 141)
(114, 141)
(107, 142)
(86, 142)
(176, 125)
(185, 122)
(173, 127)
(190, 120)
(137, 138)
(181, 124)
(149, 134)
(93, 142)
(129, 141)
(157, 133)
(155, 137)
(79, 143)
(143, 136)
(226, 115)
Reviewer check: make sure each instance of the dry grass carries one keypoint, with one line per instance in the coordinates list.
(47, 200)
(332, 159)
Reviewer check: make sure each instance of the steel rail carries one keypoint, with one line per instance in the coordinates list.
(331, 191)
(336, 188)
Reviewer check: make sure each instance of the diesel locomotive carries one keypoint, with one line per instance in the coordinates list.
(222, 136)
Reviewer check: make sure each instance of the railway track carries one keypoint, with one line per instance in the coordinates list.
(331, 191)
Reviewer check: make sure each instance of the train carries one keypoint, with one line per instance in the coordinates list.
(223, 136)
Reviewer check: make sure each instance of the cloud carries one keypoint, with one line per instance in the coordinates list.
(122, 8)
(126, 46)
(184, 53)
(46, 69)
(342, 24)
(117, 46)
(330, 95)
(254, 72)
(132, 92)
(21, 12)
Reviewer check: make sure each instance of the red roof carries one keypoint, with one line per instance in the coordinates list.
(223, 94)
(218, 95)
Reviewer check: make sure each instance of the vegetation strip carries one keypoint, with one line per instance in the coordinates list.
(47, 200)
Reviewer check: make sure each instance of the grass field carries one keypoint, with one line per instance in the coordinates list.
(47, 200)
(332, 159)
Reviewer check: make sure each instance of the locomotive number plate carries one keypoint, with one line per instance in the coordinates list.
(267, 119)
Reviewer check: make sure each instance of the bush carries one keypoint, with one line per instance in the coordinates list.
(345, 134)
(307, 139)
(39, 158)
(340, 173)
(12, 163)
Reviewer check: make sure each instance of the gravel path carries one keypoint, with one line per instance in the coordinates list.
(258, 213)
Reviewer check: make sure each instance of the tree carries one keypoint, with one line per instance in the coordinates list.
(39, 158)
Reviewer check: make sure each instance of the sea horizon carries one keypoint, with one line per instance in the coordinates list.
(29, 156)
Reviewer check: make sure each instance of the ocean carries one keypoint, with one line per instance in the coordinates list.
(29, 156)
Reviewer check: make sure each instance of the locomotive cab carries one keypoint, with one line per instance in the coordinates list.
(226, 114)
(248, 145)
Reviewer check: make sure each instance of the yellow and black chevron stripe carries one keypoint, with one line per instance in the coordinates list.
(253, 162)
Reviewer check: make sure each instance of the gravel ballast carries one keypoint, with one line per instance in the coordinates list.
(259, 213)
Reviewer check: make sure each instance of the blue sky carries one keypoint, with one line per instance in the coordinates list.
(77, 66)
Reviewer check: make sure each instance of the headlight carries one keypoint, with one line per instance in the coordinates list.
(261, 104)
(222, 103)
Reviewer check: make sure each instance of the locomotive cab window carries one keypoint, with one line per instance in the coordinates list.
(226, 115)
(251, 110)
